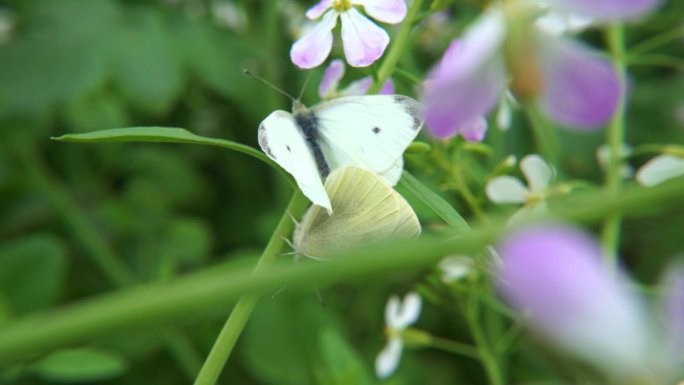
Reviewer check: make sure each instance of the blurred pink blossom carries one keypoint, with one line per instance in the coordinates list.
(576, 86)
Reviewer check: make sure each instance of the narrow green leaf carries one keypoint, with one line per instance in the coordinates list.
(162, 134)
(79, 365)
(435, 202)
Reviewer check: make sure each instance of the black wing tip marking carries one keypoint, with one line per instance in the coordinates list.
(263, 141)
(413, 108)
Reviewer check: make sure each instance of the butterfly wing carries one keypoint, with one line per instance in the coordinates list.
(366, 210)
(370, 132)
(282, 141)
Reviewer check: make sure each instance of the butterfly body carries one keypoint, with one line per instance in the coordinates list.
(307, 122)
(370, 132)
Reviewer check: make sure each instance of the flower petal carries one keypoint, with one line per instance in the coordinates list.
(331, 79)
(364, 42)
(312, 48)
(388, 359)
(467, 82)
(673, 309)
(581, 88)
(387, 11)
(410, 310)
(358, 87)
(660, 169)
(455, 267)
(556, 274)
(474, 131)
(317, 10)
(392, 313)
(536, 171)
(607, 10)
(506, 189)
(387, 88)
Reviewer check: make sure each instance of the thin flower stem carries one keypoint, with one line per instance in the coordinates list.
(656, 41)
(485, 352)
(615, 138)
(225, 342)
(463, 189)
(545, 136)
(397, 48)
(454, 347)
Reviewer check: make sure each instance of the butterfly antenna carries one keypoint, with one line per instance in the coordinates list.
(294, 220)
(306, 83)
(277, 293)
(320, 298)
(266, 82)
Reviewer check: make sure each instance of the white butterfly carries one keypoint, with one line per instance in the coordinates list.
(369, 131)
(367, 210)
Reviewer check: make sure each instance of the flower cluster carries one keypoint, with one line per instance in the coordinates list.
(574, 85)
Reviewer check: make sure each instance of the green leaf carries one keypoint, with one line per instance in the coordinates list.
(145, 62)
(435, 202)
(343, 364)
(162, 134)
(32, 272)
(79, 365)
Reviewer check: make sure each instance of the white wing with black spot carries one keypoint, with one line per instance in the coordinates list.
(370, 132)
(283, 142)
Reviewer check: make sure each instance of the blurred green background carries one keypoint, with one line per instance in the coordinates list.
(161, 210)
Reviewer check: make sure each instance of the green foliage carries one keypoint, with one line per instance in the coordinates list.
(79, 366)
(119, 262)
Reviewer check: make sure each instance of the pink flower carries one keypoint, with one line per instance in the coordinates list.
(574, 85)
(364, 42)
(328, 89)
(556, 275)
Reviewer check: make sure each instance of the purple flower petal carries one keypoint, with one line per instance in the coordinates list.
(387, 88)
(361, 86)
(673, 302)
(556, 275)
(358, 87)
(387, 11)
(474, 131)
(364, 42)
(581, 88)
(607, 10)
(452, 104)
(331, 78)
(317, 10)
(312, 48)
(467, 82)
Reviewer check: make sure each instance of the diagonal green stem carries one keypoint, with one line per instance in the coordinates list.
(95, 247)
(615, 138)
(225, 342)
(397, 48)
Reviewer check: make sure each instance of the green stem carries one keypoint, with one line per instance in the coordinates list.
(397, 48)
(225, 342)
(484, 348)
(656, 41)
(454, 347)
(545, 136)
(615, 138)
(463, 189)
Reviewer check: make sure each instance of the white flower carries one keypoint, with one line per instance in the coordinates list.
(507, 189)
(455, 267)
(399, 315)
(660, 169)
(363, 41)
